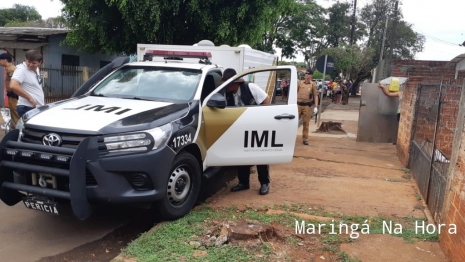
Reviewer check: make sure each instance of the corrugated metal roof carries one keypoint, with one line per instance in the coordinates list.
(21, 45)
(452, 63)
(36, 31)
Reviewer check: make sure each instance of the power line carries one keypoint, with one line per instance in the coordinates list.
(435, 38)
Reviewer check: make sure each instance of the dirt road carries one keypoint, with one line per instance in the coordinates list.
(345, 177)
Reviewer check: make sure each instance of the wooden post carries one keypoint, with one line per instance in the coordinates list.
(85, 74)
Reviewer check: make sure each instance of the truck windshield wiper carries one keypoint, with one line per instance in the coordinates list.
(137, 98)
(101, 95)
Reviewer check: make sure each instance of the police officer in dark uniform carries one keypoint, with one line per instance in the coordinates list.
(242, 93)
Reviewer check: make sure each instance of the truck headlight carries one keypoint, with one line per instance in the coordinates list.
(139, 141)
(161, 135)
(133, 142)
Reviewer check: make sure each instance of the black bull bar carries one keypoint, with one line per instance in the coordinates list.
(77, 159)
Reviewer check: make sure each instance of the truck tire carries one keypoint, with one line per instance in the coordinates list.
(182, 187)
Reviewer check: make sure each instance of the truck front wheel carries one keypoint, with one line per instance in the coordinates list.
(183, 187)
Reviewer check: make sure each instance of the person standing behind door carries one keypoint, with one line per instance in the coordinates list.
(242, 93)
(27, 83)
(392, 94)
(307, 101)
(6, 61)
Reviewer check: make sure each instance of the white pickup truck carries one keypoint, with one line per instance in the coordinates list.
(149, 132)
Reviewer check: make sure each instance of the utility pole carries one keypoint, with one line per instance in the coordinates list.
(381, 52)
(393, 32)
(352, 31)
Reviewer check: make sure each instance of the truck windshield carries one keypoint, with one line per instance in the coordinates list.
(150, 83)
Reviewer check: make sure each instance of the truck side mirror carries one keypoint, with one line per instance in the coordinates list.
(217, 101)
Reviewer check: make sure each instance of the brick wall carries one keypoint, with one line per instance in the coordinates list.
(454, 202)
(453, 245)
(420, 72)
(426, 116)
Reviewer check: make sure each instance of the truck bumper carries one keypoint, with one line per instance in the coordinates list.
(123, 179)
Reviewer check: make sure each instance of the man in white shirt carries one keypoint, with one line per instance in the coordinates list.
(242, 93)
(27, 83)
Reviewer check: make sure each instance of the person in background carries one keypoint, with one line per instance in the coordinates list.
(242, 93)
(344, 92)
(284, 87)
(349, 85)
(307, 102)
(337, 90)
(7, 61)
(392, 94)
(27, 83)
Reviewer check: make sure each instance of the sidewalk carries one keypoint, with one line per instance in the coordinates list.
(346, 114)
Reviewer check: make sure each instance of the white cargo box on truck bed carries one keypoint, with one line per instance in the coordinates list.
(240, 58)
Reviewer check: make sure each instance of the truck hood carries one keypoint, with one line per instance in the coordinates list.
(91, 113)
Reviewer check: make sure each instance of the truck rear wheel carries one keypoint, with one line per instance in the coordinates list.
(183, 187)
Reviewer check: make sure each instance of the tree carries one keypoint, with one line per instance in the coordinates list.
(19, 13)
(338, 24)
(116, 26)
(51, 22)
(351, 61)
(406, 43)
(276, 25)
(357, 62)
(302, 29)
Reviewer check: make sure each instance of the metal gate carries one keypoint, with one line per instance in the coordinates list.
(435, 119)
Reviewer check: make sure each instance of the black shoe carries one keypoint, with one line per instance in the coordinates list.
(264, 189)
(240, 187)
(306, 142)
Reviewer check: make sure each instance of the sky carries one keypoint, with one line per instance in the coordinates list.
(438, 21)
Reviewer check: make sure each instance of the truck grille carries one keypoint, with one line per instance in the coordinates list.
(36, 136)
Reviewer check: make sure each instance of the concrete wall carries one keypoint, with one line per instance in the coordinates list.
(53, 51)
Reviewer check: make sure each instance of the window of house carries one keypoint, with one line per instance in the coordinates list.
(70, 60)
(69, 65)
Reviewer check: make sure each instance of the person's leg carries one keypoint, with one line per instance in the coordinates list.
(301, 111)
(263, 174)
(306, 122)
(243, 175)
(264, 178)
(13, 103)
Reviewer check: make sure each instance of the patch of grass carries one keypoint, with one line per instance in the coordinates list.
(170, 241)
(349, 240)
(292, 240)
(331, 239)
(331, 243)
(344, 257)
(418, 196)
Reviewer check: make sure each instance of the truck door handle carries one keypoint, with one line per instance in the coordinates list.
(283, 116)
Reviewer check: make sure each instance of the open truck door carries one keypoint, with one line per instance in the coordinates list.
(254, 134)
